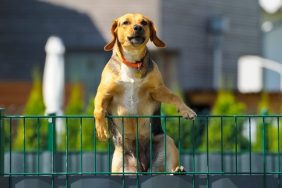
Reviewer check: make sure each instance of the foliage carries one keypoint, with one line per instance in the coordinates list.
(89, 139)
(81, 130)
(225, 131)
(74, 107)
(180, 129)
(28, 126)
(266, 129)
(172, 126)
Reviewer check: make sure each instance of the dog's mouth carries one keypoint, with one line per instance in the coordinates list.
(136, 39)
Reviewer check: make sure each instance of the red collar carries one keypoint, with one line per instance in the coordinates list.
(136, 65)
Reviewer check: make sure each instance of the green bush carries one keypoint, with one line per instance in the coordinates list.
(30, 126)
(181, 129)
(90, 141)
(174, 124)
(266, 129)
(228, 131)
(81, 131)
(74, 106)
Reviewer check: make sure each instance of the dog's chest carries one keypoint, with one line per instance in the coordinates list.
(131, 84)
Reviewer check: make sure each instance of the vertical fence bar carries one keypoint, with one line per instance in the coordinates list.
(10, 145)
(250, 146)
(67, 146)
(221, 143)
(264, 144)
(207, 144)
(193, 153)
(67, 151)
(151, 149)
(52, 142)
(236, 145)
(38, 144)
(81, 161)
(53, 149)
(24, 140)
(278, 150)
(109, 157)
(123, 152)
(193, 144)
(95, 146)
(109, 150)
(165, 157)
(2, 141)
(51, 132)
(278, 147)
(137, 152)
(264, 150)
(179, 142)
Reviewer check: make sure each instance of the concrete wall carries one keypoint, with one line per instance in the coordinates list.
(89, 179)
(42, 163)
(189, 181)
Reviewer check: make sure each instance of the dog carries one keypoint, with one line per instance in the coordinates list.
(131, 84)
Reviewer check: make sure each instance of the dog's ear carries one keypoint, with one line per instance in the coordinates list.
(111, 44)
(154, 38)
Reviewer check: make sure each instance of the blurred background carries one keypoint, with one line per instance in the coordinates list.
(206, 41)
(222, 56)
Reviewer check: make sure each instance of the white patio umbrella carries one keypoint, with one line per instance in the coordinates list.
(53, 81)
(270, 6)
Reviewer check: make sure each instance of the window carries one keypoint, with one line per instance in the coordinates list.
(167, 62)
(86, 68)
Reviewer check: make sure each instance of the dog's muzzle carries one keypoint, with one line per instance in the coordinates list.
(136, 39)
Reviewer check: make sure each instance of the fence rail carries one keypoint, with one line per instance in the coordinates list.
(210, 145)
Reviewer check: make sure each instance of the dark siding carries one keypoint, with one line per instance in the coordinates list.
(25, 27)
(184, 28)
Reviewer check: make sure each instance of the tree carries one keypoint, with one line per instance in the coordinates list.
(225, 131)
(30, 127)
(74, 107)
(266, 129)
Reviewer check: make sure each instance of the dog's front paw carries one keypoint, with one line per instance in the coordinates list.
(188, 113)
(179, 170)
(102, 129)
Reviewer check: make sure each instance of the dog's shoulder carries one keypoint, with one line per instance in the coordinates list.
(113, 67)
(153, 72)
(109, 77)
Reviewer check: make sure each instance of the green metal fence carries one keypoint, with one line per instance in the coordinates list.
(209, 145)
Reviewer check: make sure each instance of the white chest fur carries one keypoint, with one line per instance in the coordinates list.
(131, 85)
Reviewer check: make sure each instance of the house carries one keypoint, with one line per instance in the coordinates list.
(204, 41)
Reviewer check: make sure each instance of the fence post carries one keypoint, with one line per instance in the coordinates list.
(2, 142)
(264, 141)
(52, 132)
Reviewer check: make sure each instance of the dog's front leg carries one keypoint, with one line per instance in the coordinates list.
(101, 103)
(163, 94)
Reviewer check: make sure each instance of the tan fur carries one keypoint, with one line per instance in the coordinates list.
(119, 89)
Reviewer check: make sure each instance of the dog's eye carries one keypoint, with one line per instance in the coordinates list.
(125, 23)
(144, 23)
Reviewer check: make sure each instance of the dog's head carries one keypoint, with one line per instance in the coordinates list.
(133, 31)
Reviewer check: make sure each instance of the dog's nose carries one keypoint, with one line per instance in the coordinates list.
(137, 28)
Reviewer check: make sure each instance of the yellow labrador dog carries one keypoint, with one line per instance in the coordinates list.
(131, 84)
